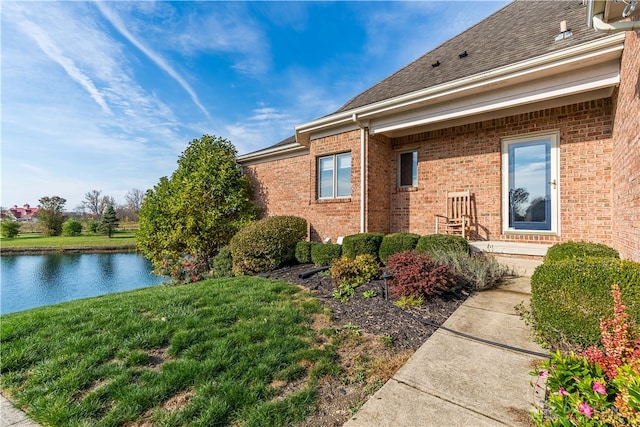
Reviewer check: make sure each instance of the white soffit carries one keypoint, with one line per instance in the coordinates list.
(586, 82)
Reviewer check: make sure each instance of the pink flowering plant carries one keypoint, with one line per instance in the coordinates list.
(597, 387)
(188, 269)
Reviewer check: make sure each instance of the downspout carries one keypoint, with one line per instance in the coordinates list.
(616, 27)
(363, 174)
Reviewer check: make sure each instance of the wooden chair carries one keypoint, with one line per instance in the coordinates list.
(458, 214)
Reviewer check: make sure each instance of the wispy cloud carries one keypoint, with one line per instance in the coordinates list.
(115, 20)
(52, 50)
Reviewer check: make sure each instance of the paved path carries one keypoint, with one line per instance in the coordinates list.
(10, 416)
(455, 380)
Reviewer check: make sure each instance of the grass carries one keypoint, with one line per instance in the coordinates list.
(124, 239)
(235, 351)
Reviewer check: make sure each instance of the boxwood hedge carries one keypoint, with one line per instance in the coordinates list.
(266, 244)
(303, 251)
(396, 243)
(324, 254)
(569, 297)
(571, 249)
(362, 244)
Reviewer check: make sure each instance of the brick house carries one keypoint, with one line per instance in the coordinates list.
(522, 101)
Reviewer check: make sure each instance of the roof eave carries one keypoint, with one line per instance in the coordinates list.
(304, 131)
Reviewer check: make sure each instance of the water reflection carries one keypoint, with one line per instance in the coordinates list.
(29, 281)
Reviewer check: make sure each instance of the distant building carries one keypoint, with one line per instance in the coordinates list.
(26, 213)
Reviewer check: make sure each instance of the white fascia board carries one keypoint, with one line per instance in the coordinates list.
(273, 153)
(604, 45)
(542, 89)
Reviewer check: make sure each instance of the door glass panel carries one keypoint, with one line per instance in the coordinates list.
(529, 185)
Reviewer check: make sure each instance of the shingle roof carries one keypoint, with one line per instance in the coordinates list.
(521, 30)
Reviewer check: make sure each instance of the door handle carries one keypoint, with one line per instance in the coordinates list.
(554, 184)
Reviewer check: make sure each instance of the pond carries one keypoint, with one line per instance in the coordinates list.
(29, 281)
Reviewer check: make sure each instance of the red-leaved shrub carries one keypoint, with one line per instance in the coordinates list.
(416, 275)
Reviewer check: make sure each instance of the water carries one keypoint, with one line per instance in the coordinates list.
(29, 281)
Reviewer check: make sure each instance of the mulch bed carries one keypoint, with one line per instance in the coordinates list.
(377, 315)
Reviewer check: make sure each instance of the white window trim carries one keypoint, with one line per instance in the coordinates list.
(335, 176)
(399, 169)
(554, 137)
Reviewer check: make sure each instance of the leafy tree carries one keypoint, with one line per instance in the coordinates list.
(10, 228)
(199, 208)
(109, 221)
(51, 214)
(72, 227)
(96, 203)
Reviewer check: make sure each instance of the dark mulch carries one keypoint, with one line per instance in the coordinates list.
(377, 315)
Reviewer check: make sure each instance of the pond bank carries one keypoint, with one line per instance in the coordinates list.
(68, 250)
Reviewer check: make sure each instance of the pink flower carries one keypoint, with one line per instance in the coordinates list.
(563, 392)
(585, 409)
(599, 388)
(543, 374)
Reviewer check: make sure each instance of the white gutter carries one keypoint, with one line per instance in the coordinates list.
(363, 173)
(288, 149)
(303, 131)
(616, 27)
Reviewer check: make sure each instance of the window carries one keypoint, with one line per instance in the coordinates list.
(408, 169)
(334, 176)
(530, 183)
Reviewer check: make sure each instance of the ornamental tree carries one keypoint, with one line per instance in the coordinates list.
(195, 212)
(51, 214)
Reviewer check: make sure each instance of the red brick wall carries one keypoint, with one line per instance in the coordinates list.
(378, 184)
(626, 153)
(469, 156)
(281, 187)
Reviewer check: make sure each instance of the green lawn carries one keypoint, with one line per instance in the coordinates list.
(235, 351)
(38, 241)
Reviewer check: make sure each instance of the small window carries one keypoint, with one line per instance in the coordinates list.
(334, 176)
(408, 169)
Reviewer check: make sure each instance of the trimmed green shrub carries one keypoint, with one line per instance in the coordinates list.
(222, 263)
(93, 225)
(417, 275)
(570, 250)
(570, 297)
(360, 244)
(266, 244)
(10, 229)
(395, 243)
(442, 242)
(71, 227)
(325, 253)
(303, 251)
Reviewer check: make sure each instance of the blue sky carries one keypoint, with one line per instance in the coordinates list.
(106, 95)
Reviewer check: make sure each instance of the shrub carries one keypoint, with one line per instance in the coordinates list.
(356, 272)
(417, 275)
(190, 269)
(478, 270)
(71, 227)
(397, 242)
(266, 244)
(596, 387)
(303, 251)
(568, 298)
(93, 226)
(360, 244)
(222, 263)
(10, 229)
(443, 242)
(325, 253)
(568, 250)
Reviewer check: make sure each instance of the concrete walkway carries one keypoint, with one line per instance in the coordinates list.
(10, 416)
(454, 380)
